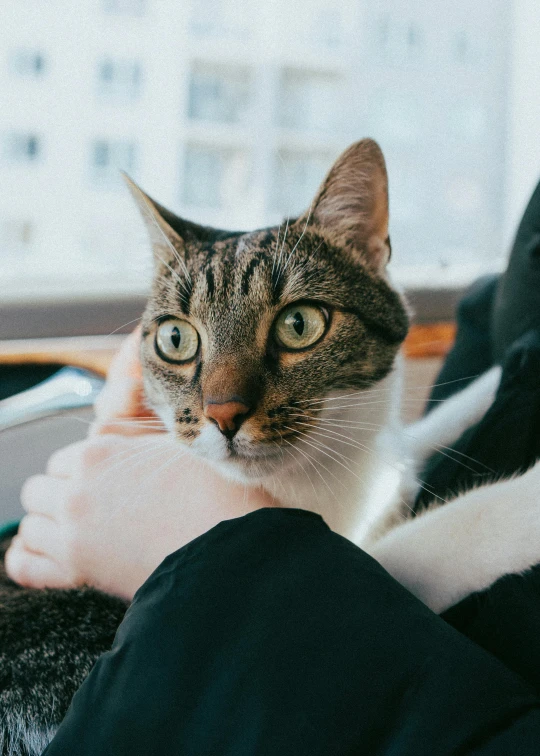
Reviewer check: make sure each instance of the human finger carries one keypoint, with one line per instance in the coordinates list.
(35, 570)
(40, 534)
(42, 494)
(123, 378)
(64, 462)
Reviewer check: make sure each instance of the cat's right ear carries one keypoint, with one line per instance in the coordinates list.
(351, 206)
(166, 241)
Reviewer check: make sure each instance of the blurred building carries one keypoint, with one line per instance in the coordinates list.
(230, 112)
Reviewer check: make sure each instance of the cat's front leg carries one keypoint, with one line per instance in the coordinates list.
(465, 546)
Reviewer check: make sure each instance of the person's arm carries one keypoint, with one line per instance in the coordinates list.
(111, 507)
(272, 636)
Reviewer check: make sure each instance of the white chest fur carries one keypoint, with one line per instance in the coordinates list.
(347, 468)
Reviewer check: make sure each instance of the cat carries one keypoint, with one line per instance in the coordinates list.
(275, 355)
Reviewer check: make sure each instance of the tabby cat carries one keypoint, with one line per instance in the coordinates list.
(273, 354)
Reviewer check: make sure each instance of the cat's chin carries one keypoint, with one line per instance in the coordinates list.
(243, 467)
(240, 460)
(249, 469)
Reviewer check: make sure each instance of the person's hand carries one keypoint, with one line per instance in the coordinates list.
(110, 508)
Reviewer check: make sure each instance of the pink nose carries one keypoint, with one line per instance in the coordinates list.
(228, 416)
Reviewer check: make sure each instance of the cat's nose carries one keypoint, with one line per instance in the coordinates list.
(228, 416)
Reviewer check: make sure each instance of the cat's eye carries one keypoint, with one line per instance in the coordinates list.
(300, 326)
(177, 340)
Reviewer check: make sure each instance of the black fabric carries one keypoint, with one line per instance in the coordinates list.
(507, 439)
(499, 321)
(516, 308)
(471, 354)
(16, 378)
(271, 635)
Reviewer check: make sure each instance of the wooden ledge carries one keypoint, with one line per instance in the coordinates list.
(430, 340)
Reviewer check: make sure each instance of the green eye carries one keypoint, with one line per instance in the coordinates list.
(177, 340)
(300, 326)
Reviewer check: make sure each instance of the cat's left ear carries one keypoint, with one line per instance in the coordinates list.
(351, 206)
(159, 224)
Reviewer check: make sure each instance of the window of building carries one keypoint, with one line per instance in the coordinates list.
(108, 158)
(21, 147)
(219, 93)
(311, 101)
(222, 18)
(214, 175)
(328, 29)
(119, 80)
(16, 235)
(28, 63)
(298, 175)
(125, 7)
(247, 104)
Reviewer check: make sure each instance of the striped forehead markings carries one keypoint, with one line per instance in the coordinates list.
(210, 282)
(248, 273)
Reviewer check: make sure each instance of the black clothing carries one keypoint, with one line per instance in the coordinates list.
(272, 636)
(516, 307)
(505, 619)
(507, 439)
(499, 321)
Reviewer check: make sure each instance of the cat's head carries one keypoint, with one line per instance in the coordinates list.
(243, 331)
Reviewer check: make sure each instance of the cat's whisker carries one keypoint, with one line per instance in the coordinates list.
(390, 390)
(279, 268)
(287, 261)
(274, 257)
(445, 451)
(133, 502)
(378, 456)
(320, 447)
(311, 461)
(151, 425)
(382, 401)
(375, 427)
(297, 462)
(135, 320)
(150, 214)
(181, 283)
(142, 451)
(360, 424)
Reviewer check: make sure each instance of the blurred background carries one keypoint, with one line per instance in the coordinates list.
(230, 112)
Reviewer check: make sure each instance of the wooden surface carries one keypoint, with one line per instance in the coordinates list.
(433, 340)
(95, 352)
(91, 352)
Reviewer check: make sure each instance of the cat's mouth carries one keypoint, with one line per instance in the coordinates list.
(238, 457)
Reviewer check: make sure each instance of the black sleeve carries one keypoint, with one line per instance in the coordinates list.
(272, 636)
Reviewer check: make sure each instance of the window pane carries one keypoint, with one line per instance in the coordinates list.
(108, 158)
(298, 176)
(28, 63)
(21, 147)
(218, 93)
(222, 18)
(16, 236)
(231, 112)
(119, 80)
(311, 101)
(215, 177)
(127, 7)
